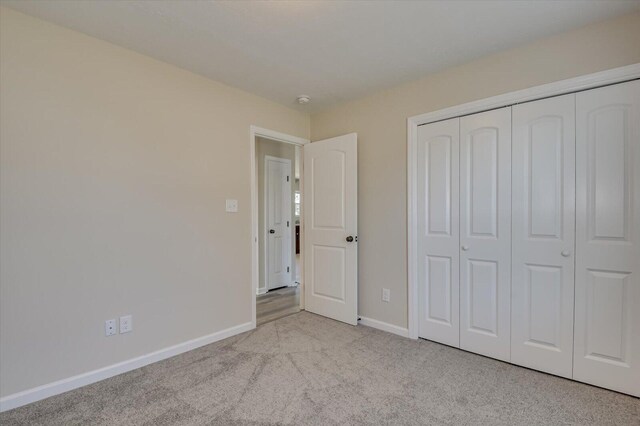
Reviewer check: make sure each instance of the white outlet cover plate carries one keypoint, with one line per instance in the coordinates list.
(232, 206)
(110, 327)
(126, 324)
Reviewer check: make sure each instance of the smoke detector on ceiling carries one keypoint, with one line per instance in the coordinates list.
(303, 99)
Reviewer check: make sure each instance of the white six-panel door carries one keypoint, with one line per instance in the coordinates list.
(331, 227)
(485, 233)
(438, 227)
(278, 221)
(607, 297)
(543, 218)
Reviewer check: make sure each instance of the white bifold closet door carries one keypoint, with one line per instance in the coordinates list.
(438, 231)
(607, 296)
(543, 223)
(485, 233)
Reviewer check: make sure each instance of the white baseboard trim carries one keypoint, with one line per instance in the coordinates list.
(261, 290)
(384, 326)
(41, 392)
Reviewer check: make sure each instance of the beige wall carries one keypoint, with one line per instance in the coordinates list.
(381, 120)
(280, 150)
(114, 172)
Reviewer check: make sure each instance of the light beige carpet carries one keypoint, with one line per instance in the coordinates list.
(306, 369)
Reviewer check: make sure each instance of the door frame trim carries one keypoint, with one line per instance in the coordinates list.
(571, 85)
(268, 158)
(255, 131)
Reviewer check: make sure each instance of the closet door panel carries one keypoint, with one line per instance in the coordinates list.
(438, 227)
(543, 223)
(485, 233)
(607, 296)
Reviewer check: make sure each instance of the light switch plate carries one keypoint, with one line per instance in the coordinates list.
(386, 294)
(232, 206)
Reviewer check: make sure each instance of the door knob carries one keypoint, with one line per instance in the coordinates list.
(349, 239)
(565, 253)
(464, 248)
(272, 231)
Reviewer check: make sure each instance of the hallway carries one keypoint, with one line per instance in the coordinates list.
(277, 304)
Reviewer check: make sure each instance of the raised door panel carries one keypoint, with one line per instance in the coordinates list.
(543, 308)
(437, 160)
(607, 297)
(438, 286)
(482, 282)
(329, 190)
(485, 233)
(438, 148)
(543, 215)
(275, 255)
(543, 172)
(608, 327)
(329, 272)
(482, 182)
(608, 195)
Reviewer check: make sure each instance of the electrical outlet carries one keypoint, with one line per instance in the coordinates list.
(231, 206)
(110, 327)
(126, 324)
(386, 294)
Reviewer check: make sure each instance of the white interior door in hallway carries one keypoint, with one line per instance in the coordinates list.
(278, 222)
(330, 209)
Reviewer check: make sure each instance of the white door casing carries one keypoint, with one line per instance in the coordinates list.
(278, 227)
(330, 216)
(438, 231)
(543, 234)
(607, 294)
(485, 233)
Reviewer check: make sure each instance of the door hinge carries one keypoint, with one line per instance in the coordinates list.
(287, 224)
(287, 178)
(287, 269)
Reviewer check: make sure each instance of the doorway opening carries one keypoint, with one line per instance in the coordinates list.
(327, 268)
(277, 288)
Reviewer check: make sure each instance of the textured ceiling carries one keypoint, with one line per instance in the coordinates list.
(332, 51)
